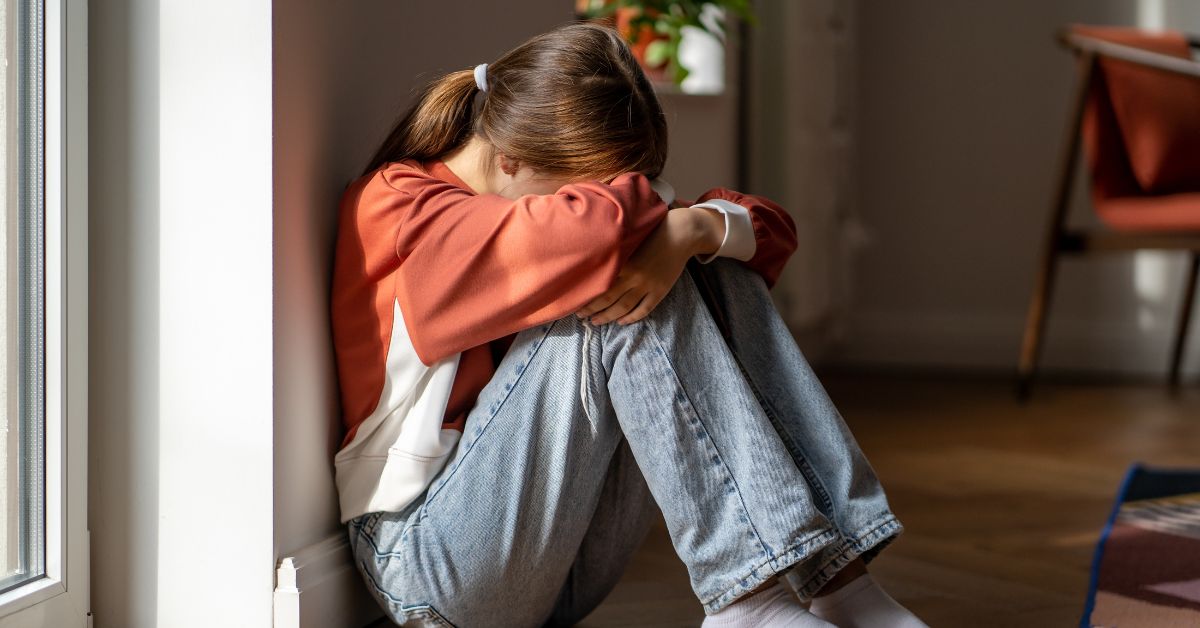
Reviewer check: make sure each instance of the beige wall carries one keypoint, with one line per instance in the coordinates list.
(802, 125)
(962, 107)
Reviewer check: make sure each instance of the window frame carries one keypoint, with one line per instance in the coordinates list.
(61, 597)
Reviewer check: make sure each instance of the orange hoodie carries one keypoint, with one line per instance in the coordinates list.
(432, 281)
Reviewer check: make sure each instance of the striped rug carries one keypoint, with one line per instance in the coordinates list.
(1146, 571)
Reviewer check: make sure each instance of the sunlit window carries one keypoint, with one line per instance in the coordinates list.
(22, 489)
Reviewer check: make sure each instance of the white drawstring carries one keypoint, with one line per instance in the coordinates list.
(583, 372)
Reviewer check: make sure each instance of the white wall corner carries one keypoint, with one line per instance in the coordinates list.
(318, 587)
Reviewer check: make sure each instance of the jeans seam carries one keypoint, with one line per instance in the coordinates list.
(802, 547)
(398, 603)
(375, 548)
(375, 585)
(413, 521)
(773, 415)
(508, 390)
(794, 448)
(366, 522)
(882, 527)
(708, 437)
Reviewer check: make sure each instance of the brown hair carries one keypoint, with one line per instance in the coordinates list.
(571, 103)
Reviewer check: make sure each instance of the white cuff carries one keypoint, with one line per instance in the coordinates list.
(738, 242)
(665, 191)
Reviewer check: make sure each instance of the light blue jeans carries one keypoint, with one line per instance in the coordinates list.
(587, 432)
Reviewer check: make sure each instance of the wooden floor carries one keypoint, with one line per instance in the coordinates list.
(1002, 502)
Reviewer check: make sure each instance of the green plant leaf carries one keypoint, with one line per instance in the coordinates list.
(680, 73)
(642, 20)
(658, 53)
(668, 17)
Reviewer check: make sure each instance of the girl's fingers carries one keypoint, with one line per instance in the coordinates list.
(643, 309)
(622, 307)
(603, 301)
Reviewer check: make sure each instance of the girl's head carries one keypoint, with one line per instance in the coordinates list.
(570, 104)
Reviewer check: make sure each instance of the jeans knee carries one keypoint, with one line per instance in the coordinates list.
(680, 300)
(676, 312)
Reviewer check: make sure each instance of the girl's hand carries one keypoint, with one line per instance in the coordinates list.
(648, 275)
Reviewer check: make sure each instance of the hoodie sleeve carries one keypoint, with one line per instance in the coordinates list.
(758, 232)
(474, 268)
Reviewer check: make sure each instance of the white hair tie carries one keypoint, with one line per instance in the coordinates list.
(481, 76)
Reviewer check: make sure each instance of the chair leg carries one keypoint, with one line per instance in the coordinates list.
(1185, 318)
(1035, 322)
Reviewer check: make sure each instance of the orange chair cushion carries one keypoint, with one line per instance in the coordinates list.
(1174, 212)
(1158, 113)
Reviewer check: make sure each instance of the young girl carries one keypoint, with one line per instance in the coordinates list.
(529, 377)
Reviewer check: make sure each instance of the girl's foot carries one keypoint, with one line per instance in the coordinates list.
(773, 607)
(863, 604)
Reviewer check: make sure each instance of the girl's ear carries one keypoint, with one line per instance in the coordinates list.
(509, 166)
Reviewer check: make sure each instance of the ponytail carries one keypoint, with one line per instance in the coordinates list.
(571, 103)
(437, 123)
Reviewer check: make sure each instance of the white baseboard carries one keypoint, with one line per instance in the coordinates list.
(318, 587)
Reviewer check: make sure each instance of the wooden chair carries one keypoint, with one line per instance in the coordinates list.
(1137, 110)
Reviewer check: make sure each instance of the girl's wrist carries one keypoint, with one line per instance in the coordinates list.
(709, 230)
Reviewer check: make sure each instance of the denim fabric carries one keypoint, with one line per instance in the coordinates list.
(586, 432)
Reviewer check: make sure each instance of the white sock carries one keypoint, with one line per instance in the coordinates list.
(774, 607)
(862, 603)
